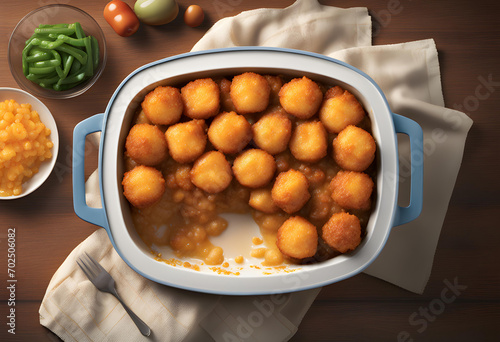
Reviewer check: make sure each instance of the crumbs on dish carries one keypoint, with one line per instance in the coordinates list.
(295, 153)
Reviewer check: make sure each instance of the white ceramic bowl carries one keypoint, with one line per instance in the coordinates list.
(20, 96)
(115, 214)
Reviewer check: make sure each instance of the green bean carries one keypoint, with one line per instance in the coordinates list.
(37, 35)
(77, 53)
(26, 49)
(95, 51)
(60, 56)
(50, 62)
(73, 79)
(47, 44)
(43, 85)
(61, 87)
(56, 55)
(37, 57)
(79, 31)
(37, 50)
(46, 63)
(55, 25)
(68, 40)
(60, 72)
(44, 70)
(47, 81)
(68, 63)
(76, 66)
(57, 30)
(33, 77)
(89, 69)
(77, 72)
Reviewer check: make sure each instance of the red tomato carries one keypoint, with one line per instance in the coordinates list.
(121, 18)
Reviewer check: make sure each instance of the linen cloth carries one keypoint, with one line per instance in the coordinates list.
(409, 75)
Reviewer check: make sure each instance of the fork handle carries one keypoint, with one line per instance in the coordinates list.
(143, 327)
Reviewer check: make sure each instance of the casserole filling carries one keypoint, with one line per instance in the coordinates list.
(296, 154)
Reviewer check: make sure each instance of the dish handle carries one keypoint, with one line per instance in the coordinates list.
(414, 132)
(82, 129)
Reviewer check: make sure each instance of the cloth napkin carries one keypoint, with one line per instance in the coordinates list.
(409, 75)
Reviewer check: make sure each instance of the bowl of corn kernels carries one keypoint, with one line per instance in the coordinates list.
(29, 143)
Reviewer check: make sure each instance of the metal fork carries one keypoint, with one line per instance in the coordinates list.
(105, 283)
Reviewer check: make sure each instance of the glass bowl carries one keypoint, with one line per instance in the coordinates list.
(53, 14)
(47, 119)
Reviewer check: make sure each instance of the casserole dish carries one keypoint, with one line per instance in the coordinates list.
(115, 217)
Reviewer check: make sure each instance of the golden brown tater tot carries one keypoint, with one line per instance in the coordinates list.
(291, 191)
(342, 232)
(297, 238)
(211, 172)
(201, 98)
(163, 105)
(143, 186)
(250, 93)
(301, 97)
(352, 190)
(146, 144)
(354, 149)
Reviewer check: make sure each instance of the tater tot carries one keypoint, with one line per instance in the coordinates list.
(352, 190)
(309, 141)
(262, 200)
(146, 144)
(342, 232)
(186, 141)
(211, 172)
(230, 132)
(225, 96)
(301, 97)
(250, 93)
(163, 105)
(272, 132)
(291, 191)
(354, 149)
(340, 109)
(275, 82)
(143, 186)
(254, 168)
(297, 238)
(201, 98)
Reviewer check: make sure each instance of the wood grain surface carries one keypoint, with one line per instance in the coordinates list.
(361, 308)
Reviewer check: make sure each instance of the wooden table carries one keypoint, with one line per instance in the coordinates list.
(362, 308)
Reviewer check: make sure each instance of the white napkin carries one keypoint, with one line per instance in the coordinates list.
(409, 75)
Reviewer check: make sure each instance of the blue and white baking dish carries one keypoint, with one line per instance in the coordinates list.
(115, 217)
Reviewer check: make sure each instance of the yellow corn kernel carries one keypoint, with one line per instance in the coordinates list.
(30, 125)
(9, 117)
(4, 135)
(7, 153)
(18, 131)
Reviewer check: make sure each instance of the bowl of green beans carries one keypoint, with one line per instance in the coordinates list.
(57, 51)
